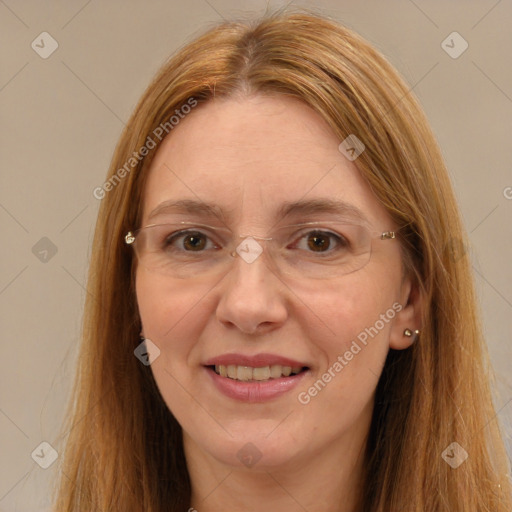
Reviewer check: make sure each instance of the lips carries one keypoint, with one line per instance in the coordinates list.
(255, 378)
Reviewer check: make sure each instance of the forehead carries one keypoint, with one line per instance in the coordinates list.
(251, 157)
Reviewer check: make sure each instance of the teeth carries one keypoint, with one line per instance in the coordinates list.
(243, 373)
(261, 373)
(286, 370)
(275, 371)
(246, 373)
(231, 371)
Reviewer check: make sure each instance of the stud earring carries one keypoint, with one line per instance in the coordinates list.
(410, 333)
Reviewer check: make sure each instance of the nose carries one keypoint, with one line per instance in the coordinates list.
(252, 297)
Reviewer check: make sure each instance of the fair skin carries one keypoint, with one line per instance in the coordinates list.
(249, 156)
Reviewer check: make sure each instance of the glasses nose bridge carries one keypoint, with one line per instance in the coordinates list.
(259, 252)
(250, 247)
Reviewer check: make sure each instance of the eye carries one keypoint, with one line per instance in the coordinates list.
(190, 241)
(321, 241)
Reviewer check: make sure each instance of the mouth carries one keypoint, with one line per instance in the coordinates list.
(255, 378)
(256, 374)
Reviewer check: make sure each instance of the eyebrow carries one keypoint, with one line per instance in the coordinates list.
(189, 206)
(289, 208)
(316, 206)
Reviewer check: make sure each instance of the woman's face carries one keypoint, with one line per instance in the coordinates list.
(249, 158)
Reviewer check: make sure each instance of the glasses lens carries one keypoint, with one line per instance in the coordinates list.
(323, 250)
(182, 251)
(303, 251)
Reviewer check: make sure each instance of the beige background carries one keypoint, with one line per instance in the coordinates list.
(60, 118)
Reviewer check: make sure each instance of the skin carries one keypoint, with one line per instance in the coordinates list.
(248, 155)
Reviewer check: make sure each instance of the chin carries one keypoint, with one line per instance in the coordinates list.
(254, 451)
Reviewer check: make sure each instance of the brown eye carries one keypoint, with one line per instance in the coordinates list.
(318, 242)
(322, 243)
(186, 241)
(194, 241)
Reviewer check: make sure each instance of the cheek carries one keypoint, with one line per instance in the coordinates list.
(348, 327)
(173, 317)
(338, 314)
(171, 313)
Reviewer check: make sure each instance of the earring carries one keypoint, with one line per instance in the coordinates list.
(409, 333)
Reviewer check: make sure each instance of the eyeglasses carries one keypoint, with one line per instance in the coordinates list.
(312, 250)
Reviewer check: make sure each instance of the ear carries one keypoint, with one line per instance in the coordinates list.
(409, 317)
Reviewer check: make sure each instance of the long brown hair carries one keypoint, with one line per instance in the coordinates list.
(124, 447)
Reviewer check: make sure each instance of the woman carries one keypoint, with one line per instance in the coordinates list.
(278, 227)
